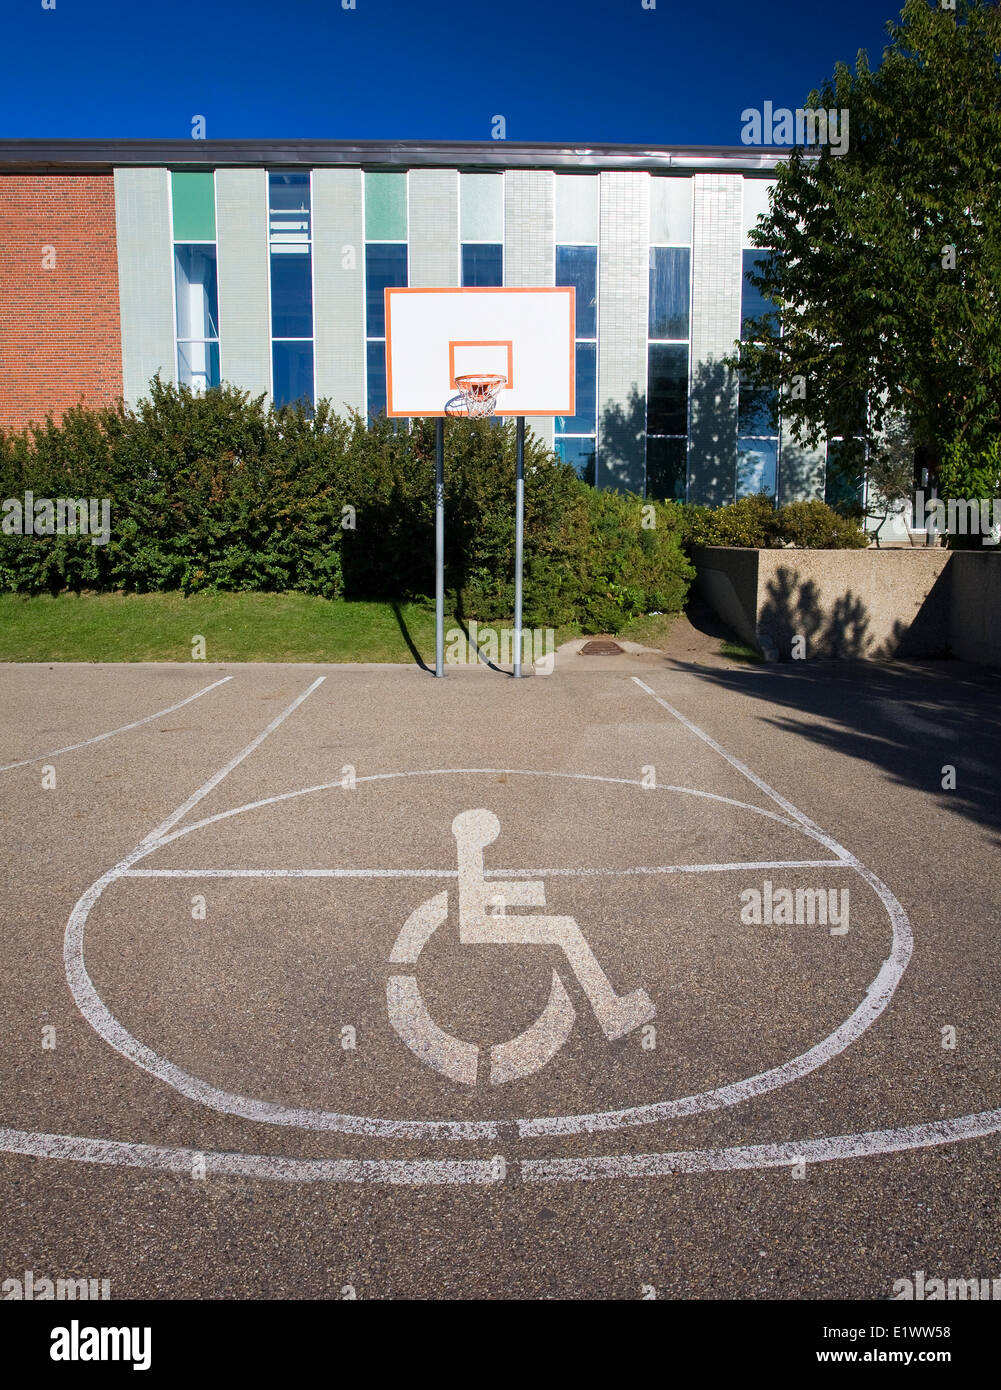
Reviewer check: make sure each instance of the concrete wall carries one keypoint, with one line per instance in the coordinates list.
(975, 606)
(869, 604)
(145, 278)
(623, 294)
(339, 287)
(716, 287)
(528, 245)
(244, 310)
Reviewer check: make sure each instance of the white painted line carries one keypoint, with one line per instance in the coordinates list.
(870, 1144)
(745, 771)
(182, 1161)
(491, 772)
(123, 729)
(826, 1150)
(156, 835)
(876, 998)
(94, 1010)
(742, 866)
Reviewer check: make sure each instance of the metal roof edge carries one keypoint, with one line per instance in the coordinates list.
(95, 156)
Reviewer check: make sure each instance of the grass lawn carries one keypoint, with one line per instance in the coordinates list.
(740, 651)
(236, 627)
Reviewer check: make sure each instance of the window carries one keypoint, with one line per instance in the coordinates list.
(291, 249)
(844, 480)
(666, 467)
(196, 297)
(753, 303)
(385, 267)
(482, 264)
(481, 230)
(669, 290)
(578, 452)
(576, 435)
(757, 407)
(667, 389)
(578, 266)
(757, 465)
(668, 333)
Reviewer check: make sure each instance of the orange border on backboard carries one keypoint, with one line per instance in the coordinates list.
(480, 342)
(480, 289)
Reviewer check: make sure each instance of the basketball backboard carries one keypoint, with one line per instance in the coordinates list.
(436, 335)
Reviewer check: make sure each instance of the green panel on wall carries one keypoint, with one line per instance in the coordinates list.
(385, 207)
(193, 197)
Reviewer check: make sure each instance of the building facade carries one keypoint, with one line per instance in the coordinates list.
(263, 265)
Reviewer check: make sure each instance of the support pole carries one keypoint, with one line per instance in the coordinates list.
(439, 547)
(519, 538)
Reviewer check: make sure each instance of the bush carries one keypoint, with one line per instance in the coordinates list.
(816, 526)
(966, 473)
(752, 522)
(220, 491)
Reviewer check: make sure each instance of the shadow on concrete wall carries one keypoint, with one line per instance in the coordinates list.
(911, 721)
(712, 458)
(622, 446)
(792, 609)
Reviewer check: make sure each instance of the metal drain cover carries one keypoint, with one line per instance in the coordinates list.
(602, 648)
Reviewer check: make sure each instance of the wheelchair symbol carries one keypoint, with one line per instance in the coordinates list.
(483, 919)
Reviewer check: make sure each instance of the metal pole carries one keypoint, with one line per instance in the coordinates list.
(439, 547)
(519, 538)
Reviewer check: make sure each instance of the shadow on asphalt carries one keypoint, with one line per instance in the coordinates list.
(910, 719)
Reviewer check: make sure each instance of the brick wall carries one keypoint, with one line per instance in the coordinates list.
(60, 338)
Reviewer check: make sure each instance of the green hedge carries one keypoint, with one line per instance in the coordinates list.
(754, 522)
(220, 491)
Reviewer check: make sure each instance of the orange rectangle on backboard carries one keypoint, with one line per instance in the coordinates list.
(482, 343)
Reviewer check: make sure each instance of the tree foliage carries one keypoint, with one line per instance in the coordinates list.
(886, 277)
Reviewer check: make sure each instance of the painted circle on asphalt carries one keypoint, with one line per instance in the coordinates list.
(821, 850)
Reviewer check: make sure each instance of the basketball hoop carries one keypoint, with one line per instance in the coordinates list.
(477, 396)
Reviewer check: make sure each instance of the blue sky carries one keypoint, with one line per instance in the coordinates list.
(594, 70)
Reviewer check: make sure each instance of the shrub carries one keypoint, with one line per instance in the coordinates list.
(816, 526)
(220, 491)
(752, 522)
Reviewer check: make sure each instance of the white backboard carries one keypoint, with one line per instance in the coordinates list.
(435, 335)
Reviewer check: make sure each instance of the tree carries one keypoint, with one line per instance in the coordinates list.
(885, 261)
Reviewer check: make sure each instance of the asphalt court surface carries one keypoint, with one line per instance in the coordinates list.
(621, 1101)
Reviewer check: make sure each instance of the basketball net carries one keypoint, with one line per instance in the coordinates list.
(477, 396)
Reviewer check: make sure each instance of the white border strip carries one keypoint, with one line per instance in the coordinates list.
(124, 729)
(742, 866)
(837, 1146)
(182, 1161)
(870, 1144)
